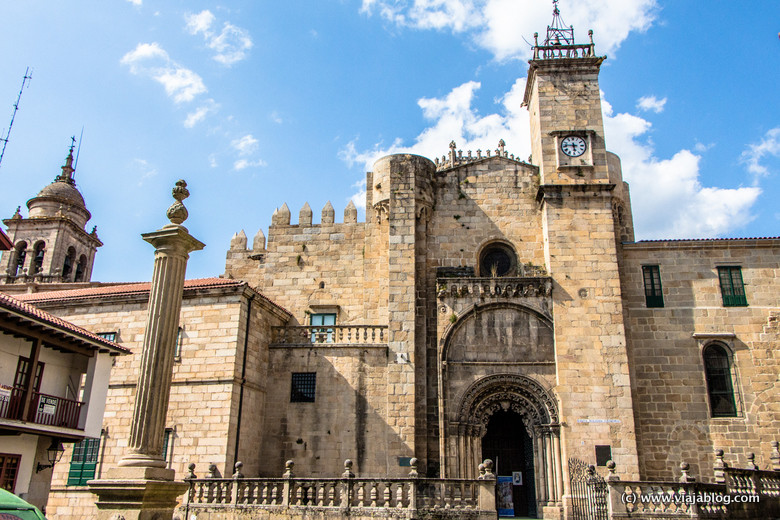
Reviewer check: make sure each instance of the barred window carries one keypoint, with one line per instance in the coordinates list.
(731, 287)
(653, 292)
(303, 387)
(84, 462)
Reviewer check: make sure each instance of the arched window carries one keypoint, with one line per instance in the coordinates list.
(81, 268)
(717, 370)
(38, 253)
(497, 259)
(67, 266)
(20, 254)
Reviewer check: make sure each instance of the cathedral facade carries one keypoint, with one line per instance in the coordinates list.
(488, 307)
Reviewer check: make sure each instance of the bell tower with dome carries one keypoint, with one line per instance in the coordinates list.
(51, 245)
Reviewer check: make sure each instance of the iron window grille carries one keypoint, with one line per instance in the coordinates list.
(303, 388)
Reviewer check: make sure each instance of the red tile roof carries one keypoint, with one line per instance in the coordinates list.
(10, 306)
(5, 242)
(136, 288)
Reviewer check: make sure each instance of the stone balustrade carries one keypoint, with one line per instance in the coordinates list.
(294, 497)
(738, 493)
(330, 335)
(534, 284)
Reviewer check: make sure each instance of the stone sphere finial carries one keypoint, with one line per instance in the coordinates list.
(348, 469)
(177, 213)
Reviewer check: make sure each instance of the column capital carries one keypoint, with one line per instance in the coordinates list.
(173, 239)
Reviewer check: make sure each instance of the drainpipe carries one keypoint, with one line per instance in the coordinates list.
(243, 380)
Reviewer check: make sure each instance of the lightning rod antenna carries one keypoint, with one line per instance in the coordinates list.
(27, 76)
(78, 151)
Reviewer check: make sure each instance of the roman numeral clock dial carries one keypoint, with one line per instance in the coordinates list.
(573, 145)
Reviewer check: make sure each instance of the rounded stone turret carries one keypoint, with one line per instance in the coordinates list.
(61, 198)
(402, 171)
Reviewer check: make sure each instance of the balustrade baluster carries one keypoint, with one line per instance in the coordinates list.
(373, 492)
(360, 493)
(386, 495)
(399, 495)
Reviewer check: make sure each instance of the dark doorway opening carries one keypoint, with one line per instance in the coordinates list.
(508, 444)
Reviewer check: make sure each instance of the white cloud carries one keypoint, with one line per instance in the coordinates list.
(768, 146)
(454, 119)
(151, 60)
(500, 26)
(359, 198)
(200, 113)
(200, 22)
(144, 170)
(136, 2)
(246, 145)
(276, 118)
(651, 103)
(668, 198)
(230, 45)
(245, 163)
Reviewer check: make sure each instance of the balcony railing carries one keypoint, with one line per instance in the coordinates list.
(330, 334)
(45, 409)
(551, 52)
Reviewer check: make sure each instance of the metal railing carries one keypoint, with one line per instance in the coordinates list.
(45, 409)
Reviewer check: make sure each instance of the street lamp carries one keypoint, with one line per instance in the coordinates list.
(54, 453)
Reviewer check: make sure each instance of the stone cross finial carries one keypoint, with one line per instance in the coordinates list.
(177, 213)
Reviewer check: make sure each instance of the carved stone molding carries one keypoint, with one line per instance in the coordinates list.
(506, 392)
(382, 211)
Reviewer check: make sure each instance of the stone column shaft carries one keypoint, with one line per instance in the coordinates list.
(172, 247)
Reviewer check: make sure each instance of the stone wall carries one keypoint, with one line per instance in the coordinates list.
(207, 383)
(306, 267)
(665, 345)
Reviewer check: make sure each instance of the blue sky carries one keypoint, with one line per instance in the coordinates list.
(258, 103)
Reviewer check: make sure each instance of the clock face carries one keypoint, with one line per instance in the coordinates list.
(573, 145)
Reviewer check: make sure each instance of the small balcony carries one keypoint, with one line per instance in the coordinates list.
(44, 409)
(330, 335)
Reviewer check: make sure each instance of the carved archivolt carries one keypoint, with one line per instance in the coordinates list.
(507, 392)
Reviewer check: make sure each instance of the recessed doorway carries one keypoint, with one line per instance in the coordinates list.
(508, 444)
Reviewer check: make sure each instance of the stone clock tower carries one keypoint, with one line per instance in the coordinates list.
(584, 206)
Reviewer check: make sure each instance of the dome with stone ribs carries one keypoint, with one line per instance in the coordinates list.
(61, 198)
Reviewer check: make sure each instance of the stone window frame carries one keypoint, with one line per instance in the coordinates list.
(726, 341)
(507, 247)
(656, 299)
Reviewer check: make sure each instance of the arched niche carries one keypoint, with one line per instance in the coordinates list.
(500, 332)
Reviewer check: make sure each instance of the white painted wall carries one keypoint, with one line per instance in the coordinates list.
(95, 392)
(24, 445)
